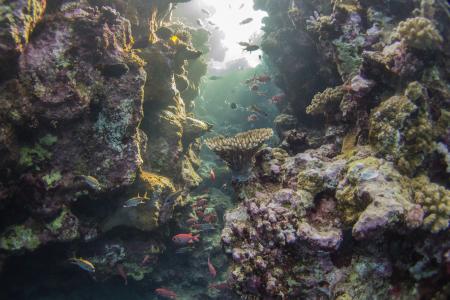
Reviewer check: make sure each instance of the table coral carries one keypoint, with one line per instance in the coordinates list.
(238, 151)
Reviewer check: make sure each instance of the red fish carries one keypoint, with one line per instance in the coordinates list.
(212, 175)
(211, 268)
(199, 213)
(185, 238)
(121, 271)
(201, 202)
(145, 260)
(252, 118)
(166, 293)
(277, 98)
(210, 218)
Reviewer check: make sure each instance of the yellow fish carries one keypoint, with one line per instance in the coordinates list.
(83, 264)
(174, 39)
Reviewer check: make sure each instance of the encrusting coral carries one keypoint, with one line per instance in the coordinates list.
(238, 151)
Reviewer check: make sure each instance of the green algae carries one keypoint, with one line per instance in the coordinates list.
(32, 156)
(19, 237)
(52, 178)
(349, 57)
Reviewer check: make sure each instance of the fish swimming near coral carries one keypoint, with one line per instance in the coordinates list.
(212, 175)
(243, 44)
(185, 238)
(277, 98)
(212, 270)
(83, 264)
(184, 250)
(174, 39)
(206, 12)
(200, 23)
(215, 77)
(145, 260)
(167, 206)
(121, 271)
(242, 6)
(233, 105)
(91, 181)
(252, 118)
(204, 227)
(263, 78)
(251, 48)
(136, 201)
(166, 293)
(256, 109)
(246, 21)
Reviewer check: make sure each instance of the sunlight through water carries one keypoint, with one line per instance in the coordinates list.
(227, 14)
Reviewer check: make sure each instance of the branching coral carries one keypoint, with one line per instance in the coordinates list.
(326, 102)
(436, 201)
(238, 151)
(419, 33)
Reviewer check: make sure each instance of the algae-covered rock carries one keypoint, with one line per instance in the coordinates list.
(18, 20)
(144, 216)
(19, 237)
(401, 126)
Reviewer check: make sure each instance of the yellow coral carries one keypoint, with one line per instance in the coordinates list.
(435, 199)
(347, 5)
(326, 102)
(152, 181)
(419, 33)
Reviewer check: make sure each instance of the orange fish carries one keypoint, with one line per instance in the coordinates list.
(121, 271)
(166, 293)
(211, 268)
(212, 175)
(185, 238)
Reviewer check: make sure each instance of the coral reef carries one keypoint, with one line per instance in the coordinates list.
(238, 151)
(287, 238)
(419, 33)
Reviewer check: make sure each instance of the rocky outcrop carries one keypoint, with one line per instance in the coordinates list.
(91, 101)
(293, 227)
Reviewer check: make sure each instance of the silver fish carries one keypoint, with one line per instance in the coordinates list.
(135, 201)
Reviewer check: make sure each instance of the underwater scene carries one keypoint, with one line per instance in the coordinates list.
(224, 149)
